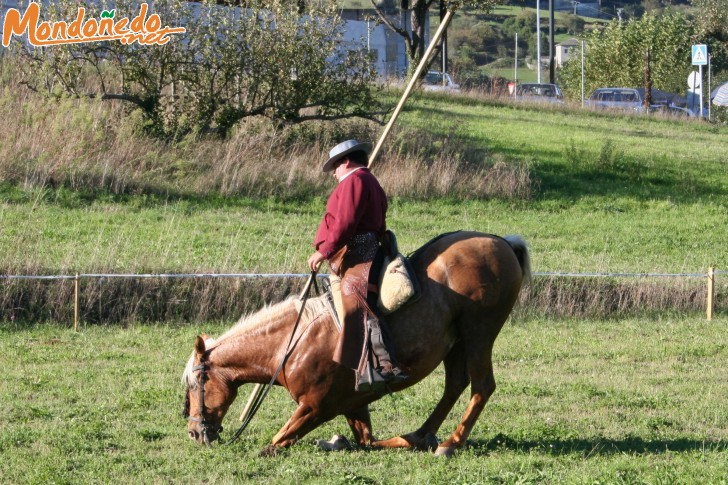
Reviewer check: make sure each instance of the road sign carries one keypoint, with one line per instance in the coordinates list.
(694, 80)
(700, 55)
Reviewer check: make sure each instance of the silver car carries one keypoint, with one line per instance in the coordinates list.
(627, 99)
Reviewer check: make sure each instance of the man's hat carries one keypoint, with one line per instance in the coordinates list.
(343, 149)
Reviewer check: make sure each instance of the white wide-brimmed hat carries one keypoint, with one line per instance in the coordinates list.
(343, 149)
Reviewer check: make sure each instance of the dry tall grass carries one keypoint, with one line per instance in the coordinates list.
(195, 299)
(97, 145)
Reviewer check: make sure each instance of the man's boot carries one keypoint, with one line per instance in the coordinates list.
(382, 358)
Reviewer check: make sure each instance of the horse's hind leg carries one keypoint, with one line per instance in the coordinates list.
(456, 380)
(482, 382)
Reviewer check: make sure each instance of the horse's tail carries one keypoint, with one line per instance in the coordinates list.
(524, 258)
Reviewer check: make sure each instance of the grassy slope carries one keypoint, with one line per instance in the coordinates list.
(616, 194)
(578, 402)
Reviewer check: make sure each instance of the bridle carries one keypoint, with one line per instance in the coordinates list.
(205, 425)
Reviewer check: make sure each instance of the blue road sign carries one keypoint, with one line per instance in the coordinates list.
(700, 55)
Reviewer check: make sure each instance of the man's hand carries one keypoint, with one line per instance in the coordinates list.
(315, 260)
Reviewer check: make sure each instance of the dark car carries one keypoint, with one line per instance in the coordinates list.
(437, 81)
(539, 92)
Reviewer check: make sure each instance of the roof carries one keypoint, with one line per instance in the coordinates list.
(570, 42)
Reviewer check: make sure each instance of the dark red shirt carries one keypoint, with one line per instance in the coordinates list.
(356, 206)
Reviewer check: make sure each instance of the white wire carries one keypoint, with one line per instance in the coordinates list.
(301, 275)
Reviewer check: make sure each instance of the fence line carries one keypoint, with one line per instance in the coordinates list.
(710, 275)
(156, 275)
(676, 275)
(323, 275)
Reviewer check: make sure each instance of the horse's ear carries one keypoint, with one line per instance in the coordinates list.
(200, 345)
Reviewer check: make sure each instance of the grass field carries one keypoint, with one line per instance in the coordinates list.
(623, 400)
(590, 192)
(619, 193)
(629, 401)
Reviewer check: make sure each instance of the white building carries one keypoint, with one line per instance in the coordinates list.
(388, 47)
(565, 50)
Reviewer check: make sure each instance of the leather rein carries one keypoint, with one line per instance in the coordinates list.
(202, 378)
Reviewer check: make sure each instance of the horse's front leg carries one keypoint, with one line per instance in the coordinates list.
(304, 420)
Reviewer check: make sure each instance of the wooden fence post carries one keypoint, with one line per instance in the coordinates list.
(711, 292)
(75, 303)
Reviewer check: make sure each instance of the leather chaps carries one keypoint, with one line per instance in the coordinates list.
(362, 327)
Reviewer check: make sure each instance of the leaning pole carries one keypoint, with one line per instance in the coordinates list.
(258, 389)
(413, 80)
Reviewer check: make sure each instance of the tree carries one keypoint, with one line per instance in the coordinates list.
(414, 34)
(712, 29)
(274, 58)
(615, 55)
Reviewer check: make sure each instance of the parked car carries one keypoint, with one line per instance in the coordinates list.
(627, 99)
(438, 81)
(668, 110)
(539, 92)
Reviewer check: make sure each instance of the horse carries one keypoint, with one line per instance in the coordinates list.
(469, 283)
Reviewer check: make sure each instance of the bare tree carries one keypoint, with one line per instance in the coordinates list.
(409, 19)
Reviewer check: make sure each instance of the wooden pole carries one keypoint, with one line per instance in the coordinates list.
(711, 292)
(253, 397)
(423, 62)
(75, 303)
(259, 388)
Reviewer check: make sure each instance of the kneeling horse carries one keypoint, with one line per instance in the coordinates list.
(469, 283)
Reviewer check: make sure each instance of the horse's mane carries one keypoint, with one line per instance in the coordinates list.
(315, 307)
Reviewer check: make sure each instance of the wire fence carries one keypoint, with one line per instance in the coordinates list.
(324, 275)
(710, 275)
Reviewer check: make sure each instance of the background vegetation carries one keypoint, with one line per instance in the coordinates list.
(85, 191)
(625, 386)
(482, 43)
(274, 60)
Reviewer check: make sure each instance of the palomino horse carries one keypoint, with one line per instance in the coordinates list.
(469, 281)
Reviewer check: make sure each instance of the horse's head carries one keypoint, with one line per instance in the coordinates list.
(208, 397)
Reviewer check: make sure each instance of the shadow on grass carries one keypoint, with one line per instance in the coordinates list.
(587, 173)
(595, 446)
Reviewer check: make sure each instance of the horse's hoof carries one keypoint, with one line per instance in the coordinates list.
(336, 443)
(446, 451)
(269, 451)
(431, 442)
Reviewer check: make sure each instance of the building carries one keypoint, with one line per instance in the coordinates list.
(565, 50)
(388, 48)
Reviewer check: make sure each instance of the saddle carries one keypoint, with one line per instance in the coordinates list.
(398, 284)
(377, 366)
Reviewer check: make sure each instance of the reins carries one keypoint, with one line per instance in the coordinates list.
(256, 402)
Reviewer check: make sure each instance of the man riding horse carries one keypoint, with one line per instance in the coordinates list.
(348, 237)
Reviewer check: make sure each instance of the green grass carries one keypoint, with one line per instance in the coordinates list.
(613, 193)
(633, 401)
(525, 75)
(595, 234)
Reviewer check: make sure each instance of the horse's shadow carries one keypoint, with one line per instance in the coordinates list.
(594, 446)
